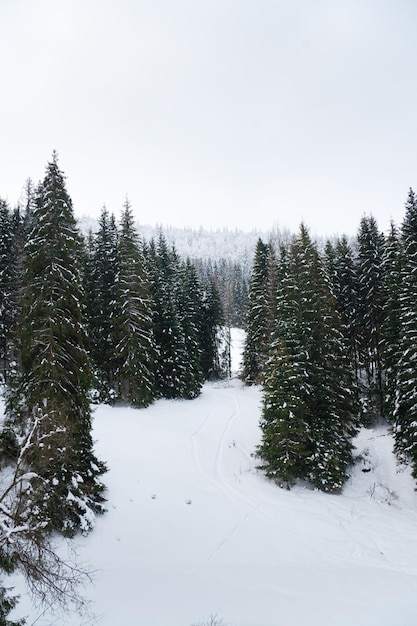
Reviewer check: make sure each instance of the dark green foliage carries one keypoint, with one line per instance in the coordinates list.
(391, 325)
(171, 361)
(231, 281)
(258, 315)
(190, 304)
(340, 266)
(7, 231)
(7, 604)
(100, 275)
(405, 408)
(52, 389)
(215, 356)
(309, 406)
(285, 444)
(133, 326)
(370, 315)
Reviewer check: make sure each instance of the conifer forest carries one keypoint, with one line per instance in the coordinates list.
(108, 317)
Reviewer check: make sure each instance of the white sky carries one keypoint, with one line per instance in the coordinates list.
(238, 113)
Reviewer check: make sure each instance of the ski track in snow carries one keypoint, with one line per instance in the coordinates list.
(244, 547)
(228, 484)
(218, 478)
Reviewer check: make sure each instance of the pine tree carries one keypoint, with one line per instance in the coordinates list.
(215, 350)
(55, 378)
(257, 322)
(405, 410)
(340, 266)
(134, 374)
(101, 275)
(6, 244)
(309, 407)
(391, 325)
(286, 442)
(370, 314)
(190, 305)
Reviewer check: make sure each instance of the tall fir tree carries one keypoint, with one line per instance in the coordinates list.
(171, 361)
(257, 321)
(341, 270)
(309, 407)
(6, 284)
(101, 276)
(190, 304)
(134, 349)
(391, 325)
(214, 340)
(405, 408)
(370, 314)
(53, 388)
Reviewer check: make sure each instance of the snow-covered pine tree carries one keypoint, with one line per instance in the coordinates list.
(231, 280)
(53, 386)
(257, 320)
(309, 407)
(405, 409)
(370, 313)
(133, 327)
(190, 335)
(100, 278)
(391, 325)
(340, 267)
(333, 407)
(6, 287)
(285, 423)
(171, 356)
(190, 304)
(214, 339)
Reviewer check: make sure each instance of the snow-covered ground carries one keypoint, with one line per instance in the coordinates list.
(193, 530)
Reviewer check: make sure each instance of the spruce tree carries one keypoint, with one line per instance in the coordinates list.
(309, 407)
(6, 287)
(134, 349)
(370, 313)
(53, 387)
(405, 409)
(257, 322)
(215, 361)
(190, 304)
(173, 373)
(341, 271)
(391, 325)
(101, 276)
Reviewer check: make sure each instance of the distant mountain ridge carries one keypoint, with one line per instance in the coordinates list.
(234, 245)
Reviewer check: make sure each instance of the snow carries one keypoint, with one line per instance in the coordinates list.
(194, 530)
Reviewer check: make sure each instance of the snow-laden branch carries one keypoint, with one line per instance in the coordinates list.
(24, 541)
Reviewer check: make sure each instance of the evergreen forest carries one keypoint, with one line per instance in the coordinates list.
(332, 339)
(109, 317)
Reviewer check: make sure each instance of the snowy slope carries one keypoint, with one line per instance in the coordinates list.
(193, 529)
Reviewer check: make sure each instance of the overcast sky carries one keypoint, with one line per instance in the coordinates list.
(238, 113)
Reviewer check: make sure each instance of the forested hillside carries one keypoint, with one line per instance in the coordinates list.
(223, 256)
(332, 336)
